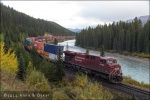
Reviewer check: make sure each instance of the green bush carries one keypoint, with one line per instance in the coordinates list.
(60, 95)
(130, 81)
(37, 81)
(83, 89)
(126, 53)
(80, 80)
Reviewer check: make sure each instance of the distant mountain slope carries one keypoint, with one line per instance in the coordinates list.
(144, 19)
(75, 30)
(15, 22)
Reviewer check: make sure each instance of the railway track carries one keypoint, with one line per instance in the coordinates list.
(125, 89)
(138, 92)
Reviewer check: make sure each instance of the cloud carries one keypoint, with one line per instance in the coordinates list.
(114, 10)
(81, 14)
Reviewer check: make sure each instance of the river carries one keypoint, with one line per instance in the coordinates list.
(136, 68)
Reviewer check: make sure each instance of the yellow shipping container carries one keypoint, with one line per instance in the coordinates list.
(40, 51)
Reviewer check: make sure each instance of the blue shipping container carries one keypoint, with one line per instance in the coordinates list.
(51, 48)
(28, 42)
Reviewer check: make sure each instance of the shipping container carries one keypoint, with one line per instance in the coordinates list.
(54, 49)
(32, 38)
(29, 47)
(38, 45)
(52, 56)
(28, 42)
(36, 38)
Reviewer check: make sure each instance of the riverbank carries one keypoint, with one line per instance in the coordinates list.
(141, 60)
(108, 54)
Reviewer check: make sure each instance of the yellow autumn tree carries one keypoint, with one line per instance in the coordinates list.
(45, 34)
(9, 61)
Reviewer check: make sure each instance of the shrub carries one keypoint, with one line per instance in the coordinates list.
(37, 81)
(130, 81)
(134, 54)
(80, 80)
(113, 51)
(96, 91)
(126, 53)
(60, 95)
(83, 89)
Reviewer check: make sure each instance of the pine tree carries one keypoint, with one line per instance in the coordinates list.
(7, 43)
(87, 51)
(55, 41)
(35, 58)
(102, 51)
(67, 47)
(59, 74)
(21, 68)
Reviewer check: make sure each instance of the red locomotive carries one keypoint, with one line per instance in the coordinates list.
(101, 66)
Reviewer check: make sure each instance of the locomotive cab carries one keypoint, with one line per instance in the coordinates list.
(112, 69)
(115, 70)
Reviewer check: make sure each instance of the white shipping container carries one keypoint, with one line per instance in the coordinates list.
(52, 56)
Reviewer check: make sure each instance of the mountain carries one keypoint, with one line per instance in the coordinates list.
(144, 19)
(75, 30)
(15, 22)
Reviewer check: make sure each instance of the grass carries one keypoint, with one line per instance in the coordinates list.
(79, 88)
(134, 54)
(10, 83)
(130, 81)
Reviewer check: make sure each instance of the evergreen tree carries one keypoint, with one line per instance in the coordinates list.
(21, 68)
(55, 41)
(102, 51)
(87, 51)
(67, 47)
(59, 74)
(7, 43)
(35, 58)
(47, 69)
(120, 36)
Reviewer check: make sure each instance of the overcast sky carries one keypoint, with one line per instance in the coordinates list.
(81, 14)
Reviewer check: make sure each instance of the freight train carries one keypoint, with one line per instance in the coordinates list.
(100, 66)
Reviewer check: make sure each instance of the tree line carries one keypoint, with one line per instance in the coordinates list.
(16, 26)
(16, 23)
(118, 36)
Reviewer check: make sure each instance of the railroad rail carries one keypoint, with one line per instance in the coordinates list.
(125, 89)
(138, 92)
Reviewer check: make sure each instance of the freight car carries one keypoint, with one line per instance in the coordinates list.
(100, 66)
(48, 51)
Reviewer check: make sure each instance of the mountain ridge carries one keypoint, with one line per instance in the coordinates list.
(77, 30)
(143, 19)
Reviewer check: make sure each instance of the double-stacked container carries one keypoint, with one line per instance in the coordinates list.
(28, 43)
(39, 46)
(53, 50)
(48, 38)
(32, 38)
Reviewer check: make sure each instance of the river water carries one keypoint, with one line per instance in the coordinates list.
(136, 68)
